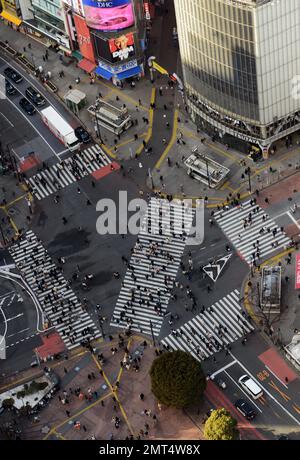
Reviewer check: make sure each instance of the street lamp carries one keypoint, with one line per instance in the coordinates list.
(97, 129)
(152, 334)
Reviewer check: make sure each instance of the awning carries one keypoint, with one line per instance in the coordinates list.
(65, 49)
(77, 54)
(103, 73)
(86, 65)
(9, 17)
(129, 72)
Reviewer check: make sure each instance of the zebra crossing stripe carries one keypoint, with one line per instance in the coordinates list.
(57, 177)
(201, 336)
(262, 235)
(145, 292)
(69, 319)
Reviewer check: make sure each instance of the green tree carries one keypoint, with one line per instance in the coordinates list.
(8, 403)
(177, 379)
(220, 426)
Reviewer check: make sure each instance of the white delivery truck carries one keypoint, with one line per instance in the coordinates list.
(60, 128)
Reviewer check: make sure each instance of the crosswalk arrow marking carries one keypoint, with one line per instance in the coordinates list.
(214, 270)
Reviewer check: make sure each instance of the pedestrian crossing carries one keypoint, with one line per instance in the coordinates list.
(152, 269)
(58, 301)
(212, 330)
(53, 178)
(254, 234)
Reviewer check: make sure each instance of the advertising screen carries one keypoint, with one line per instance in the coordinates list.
(122, 47)
(108, 15)
(84, 38)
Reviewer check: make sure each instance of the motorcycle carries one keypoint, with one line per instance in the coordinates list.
(221, 384)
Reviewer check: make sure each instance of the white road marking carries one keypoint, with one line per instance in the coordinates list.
(222, 369)
(266, 391)
(276, 377)
(19, 332)
(62, 152)
(14, 317)
(293, 219)
(240, 388)
(32, 125)
(43, 93)
(8, 121)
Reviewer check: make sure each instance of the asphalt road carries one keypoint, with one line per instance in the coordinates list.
(18, 325)
(32, 134)
(278, 411)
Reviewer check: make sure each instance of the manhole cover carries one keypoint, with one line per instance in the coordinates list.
(11, 211)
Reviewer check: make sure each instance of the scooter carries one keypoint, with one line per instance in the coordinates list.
(221, 384)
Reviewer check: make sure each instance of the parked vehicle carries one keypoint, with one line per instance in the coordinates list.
(10, 89)
(13, 75)
(60, 128)
(27, 106)
(245, 409)
(35, 97)
(82, 135)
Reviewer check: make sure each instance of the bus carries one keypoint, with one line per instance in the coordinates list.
(205, 169)
(110, 117)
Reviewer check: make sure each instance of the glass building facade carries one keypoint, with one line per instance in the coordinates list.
(239, 58)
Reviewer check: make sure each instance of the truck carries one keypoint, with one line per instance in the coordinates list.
(60, 128)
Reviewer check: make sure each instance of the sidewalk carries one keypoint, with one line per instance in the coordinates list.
(109, 93)
(102, 400)
(280, 328)
(283, 163)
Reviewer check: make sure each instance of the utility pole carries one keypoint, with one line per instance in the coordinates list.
(207, 172)
(2, 234)
(152, 334)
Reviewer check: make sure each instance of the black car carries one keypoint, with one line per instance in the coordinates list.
(13, 75)
(10, 89)
(82, 135)
(245, 409)
(27, 106)
(35, 96)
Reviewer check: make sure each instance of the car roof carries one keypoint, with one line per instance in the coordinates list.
(243, 402)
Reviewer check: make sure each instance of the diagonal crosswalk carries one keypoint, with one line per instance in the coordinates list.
(152, 269)
(57, 300)
(211, 331)
(254, 234)
(60, 175)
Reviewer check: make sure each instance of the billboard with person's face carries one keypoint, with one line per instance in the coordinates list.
(108, 15)
(122, 47)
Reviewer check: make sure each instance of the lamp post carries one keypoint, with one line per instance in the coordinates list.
(152, 334)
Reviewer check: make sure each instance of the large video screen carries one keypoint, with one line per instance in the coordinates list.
(108, 15)
(122, 48)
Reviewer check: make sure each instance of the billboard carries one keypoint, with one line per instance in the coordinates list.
(84, 38)
(297, 272)
(121, 48)
(108, 15)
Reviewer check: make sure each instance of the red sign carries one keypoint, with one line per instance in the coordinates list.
(122, 47)
(84, 38)
(297, 272)
(147, 12)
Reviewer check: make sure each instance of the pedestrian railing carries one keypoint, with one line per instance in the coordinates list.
(25, 62)
(7, 48)
(51, 86)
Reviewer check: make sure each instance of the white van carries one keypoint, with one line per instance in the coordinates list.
(250, 387)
